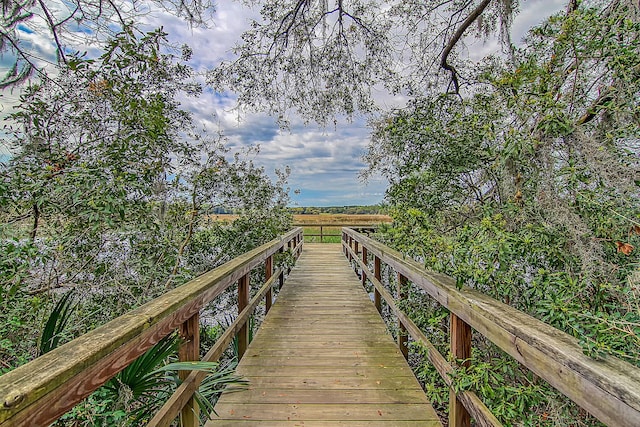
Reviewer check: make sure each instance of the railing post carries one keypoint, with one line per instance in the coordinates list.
(355, 251)
(344, 240)
(268, 271)
(377, 299)
(364, 261)
(460, 341)
(189, 351)
(321, 235)
(243, 301)
(402, 331)
(281, 277)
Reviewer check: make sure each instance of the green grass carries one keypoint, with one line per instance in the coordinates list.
(325, 230)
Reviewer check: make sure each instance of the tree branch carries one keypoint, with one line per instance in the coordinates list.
(454, 40)
(54, 31)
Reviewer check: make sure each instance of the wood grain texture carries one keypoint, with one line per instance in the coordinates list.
(243, 301)
(323, 357)
(460, 343)
(189, 351)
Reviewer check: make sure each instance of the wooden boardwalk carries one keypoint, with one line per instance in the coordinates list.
(323, 357)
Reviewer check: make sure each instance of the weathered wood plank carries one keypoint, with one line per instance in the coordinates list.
(190, 351)
(323, 354)
(328, 361)
(287, 395)
(334, 423)
(460, 344)
(323, 412)
(342, 372)
(318, 353)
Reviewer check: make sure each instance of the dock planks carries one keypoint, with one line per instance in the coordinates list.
(323, 357)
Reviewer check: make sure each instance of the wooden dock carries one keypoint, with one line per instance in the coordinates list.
(323, 357)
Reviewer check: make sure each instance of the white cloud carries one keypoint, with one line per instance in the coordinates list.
(324, 163)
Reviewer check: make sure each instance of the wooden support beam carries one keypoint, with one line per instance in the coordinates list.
(189, 351)
(402, 330)
(355, 250)
(344, 240)
(243, 301)
(364, 270)
(460, 340)
(377, 273)
(268, 271)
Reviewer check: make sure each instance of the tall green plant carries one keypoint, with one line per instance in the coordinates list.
(135, 394)
(56, 323)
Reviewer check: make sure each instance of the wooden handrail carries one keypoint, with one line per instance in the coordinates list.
(183, 393)
(340, 225)
(608, 389)
(336, 224)
(40, 391)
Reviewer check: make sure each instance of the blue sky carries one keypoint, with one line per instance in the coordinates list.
(325, 163)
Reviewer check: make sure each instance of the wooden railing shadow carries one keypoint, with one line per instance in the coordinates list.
(39, 392)
(608, 389)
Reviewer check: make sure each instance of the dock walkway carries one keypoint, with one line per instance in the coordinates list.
(323, 357)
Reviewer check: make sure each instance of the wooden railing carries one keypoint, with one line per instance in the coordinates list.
(41, 391)
(362, 228)
(608, 389)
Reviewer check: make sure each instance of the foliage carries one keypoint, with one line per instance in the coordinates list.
(110, 194)
(68, 23)
(527, 190)
(56, 323)
(322, 59)
(134, 395)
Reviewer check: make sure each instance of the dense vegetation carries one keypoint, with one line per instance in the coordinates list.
(518, 175)
(527, 189)
(105, 204)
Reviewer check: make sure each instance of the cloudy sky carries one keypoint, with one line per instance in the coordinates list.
(324, 163)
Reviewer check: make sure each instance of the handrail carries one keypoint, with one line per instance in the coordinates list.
(608, 389)
(42, 390)
(339, 225)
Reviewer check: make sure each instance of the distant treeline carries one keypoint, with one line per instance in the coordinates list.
(349, 210)
(311, 210)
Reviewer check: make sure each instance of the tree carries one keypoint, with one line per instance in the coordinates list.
(527, 189)
(325, 59)
(93, 20)
(110, 190)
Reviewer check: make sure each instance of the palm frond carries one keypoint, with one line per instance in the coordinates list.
(220, 377)
(141, 377)
(56, 323)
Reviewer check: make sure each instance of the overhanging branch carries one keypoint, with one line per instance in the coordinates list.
(454, 40)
